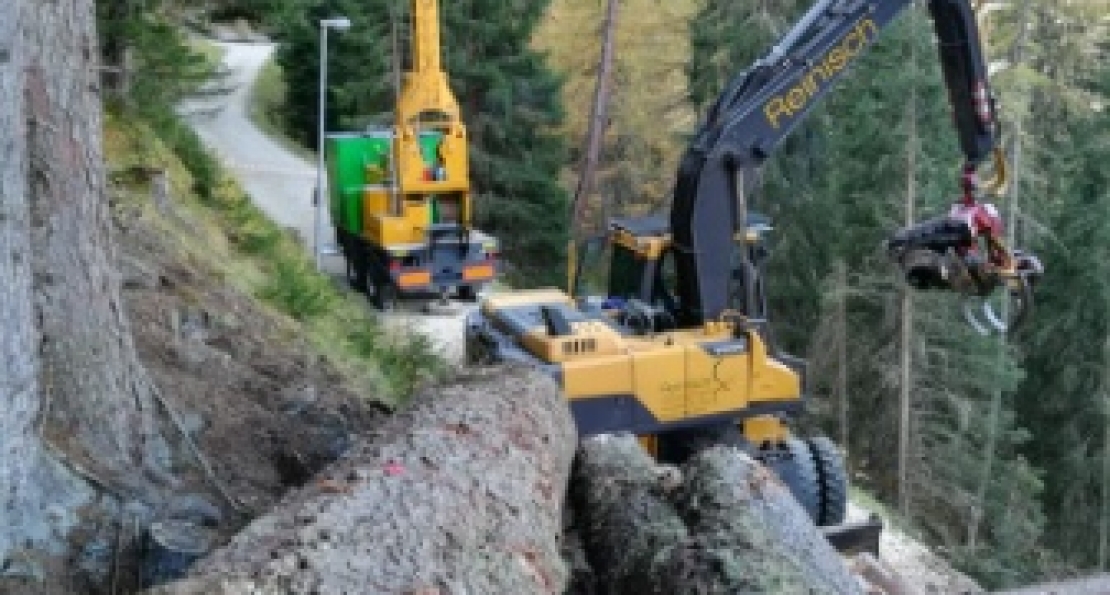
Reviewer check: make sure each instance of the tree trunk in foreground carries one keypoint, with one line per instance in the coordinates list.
(19, 390)
(70, 380)
(722, 524)
(100, 405)
(462, 492)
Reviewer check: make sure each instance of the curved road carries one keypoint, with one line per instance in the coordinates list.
(281, 183)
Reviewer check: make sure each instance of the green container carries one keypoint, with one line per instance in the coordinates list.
(356, 160)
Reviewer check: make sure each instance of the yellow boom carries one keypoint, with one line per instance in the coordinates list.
(426, 101)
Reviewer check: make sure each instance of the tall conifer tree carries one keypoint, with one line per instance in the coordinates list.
(1066, 396)
(836, 191)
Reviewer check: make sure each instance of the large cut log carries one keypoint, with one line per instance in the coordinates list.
(753, 526)
(623, 516)
(461, 493)
(721, 524)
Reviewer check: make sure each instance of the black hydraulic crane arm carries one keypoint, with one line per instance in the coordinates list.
(761, 106)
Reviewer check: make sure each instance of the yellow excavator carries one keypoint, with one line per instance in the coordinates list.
(679, 349)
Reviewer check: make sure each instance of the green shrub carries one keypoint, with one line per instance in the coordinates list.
(247, 226)
(294, 288)
(404, 361)
(188, 147)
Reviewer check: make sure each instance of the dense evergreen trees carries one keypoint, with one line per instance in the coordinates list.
(998, 451)
(509, 98)
(1065, 80)
(932, 427)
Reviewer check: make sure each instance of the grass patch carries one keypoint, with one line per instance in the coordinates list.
(267, 98)
(296, 290)
(266, 104)
(224, 229)
(212, 53)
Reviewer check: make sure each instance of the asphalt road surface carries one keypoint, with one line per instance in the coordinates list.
(278, 181)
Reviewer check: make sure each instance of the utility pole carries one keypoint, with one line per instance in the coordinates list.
(339, 24)
(906, 384)
(841, 272)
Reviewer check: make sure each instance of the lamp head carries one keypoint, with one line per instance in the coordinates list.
(337, 23)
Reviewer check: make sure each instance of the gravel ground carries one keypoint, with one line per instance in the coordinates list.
(282, 183)
(916, 564)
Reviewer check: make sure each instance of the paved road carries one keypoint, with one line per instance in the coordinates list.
(281, 183)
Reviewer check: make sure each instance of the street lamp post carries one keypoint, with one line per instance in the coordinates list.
(339, 24)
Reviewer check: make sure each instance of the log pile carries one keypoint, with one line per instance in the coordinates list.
(462, 492)
(720, 524)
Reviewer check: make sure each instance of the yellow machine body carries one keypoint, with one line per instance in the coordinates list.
(673, 375)
(647, 381)
(400, 196)
(426, 178)
(426, 102)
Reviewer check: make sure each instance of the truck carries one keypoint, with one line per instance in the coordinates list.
(400, 196)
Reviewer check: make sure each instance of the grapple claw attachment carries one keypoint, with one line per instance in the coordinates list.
(972, 319)
(996, 301)
(994, 319)
(1002, 311)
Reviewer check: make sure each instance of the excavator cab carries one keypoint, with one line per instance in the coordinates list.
(634, 260)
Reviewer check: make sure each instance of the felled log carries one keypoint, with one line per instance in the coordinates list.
(725, 525)
(880, 577)
(461, 492)
(626, 524)
(755, 528)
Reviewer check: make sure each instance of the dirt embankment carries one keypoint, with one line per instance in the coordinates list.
(250, 409)
(460, 493)
(256, 399)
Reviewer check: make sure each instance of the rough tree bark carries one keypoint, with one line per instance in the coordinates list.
(71, 381)
(18, 342)
(100, 404)
(461, 493)
(721, 524)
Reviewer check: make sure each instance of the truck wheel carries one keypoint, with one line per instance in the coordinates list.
(356, 273)
(795, 466)
(385, 296)
(478, 353)
(355, 258)
(833, 479)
